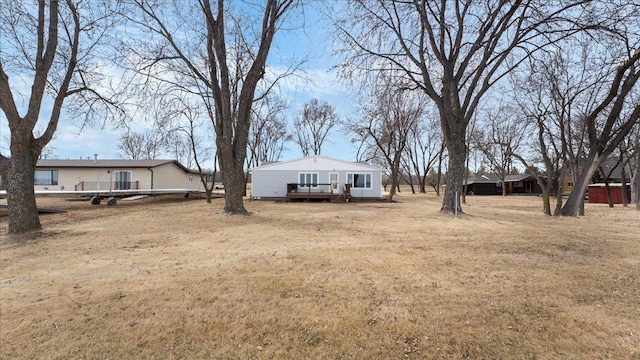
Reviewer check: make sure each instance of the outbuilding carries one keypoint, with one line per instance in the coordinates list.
(598, 193)
(316, 177)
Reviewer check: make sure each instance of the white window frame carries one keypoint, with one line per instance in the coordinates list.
(51, 179)
(351, 180)
(310, 177)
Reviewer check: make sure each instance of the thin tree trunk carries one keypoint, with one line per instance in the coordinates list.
(625, 199)
(636, 178)
(423, 182)
(558, 209)
(439, 178)
(466, 176)
(504, 185)
(637, 187)
(558, 184)
(608, 189)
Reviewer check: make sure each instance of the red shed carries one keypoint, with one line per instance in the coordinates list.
(598, 193)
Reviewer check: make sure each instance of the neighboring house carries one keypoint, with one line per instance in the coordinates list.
(316, 175)
(82, 175)
(492, 185)
(610, 170)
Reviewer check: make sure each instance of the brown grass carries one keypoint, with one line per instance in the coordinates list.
(171, 278)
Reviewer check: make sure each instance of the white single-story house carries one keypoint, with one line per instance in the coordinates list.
(315, 175)
(119, 174)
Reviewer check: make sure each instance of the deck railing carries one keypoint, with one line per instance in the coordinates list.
(318, 191)
(106, 185)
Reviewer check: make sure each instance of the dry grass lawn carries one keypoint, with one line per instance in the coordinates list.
(169, 278)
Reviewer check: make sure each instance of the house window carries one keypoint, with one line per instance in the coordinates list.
(308, 179)
(359, 180)
(123, 180)
(46, 177)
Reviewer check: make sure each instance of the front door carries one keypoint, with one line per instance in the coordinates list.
(335, 184)
(123, 180)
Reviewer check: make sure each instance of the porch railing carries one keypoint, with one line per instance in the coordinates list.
(106, 185)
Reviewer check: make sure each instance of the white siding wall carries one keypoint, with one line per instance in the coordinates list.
(268, 183)
(167, 176)
(272, 184)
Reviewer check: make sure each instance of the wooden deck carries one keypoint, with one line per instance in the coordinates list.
(320, 192)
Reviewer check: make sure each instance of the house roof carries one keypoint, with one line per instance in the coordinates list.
(484, 179)
(316, 162)
(493, 178)
(610, 165)
(107, 163)
(520, 177)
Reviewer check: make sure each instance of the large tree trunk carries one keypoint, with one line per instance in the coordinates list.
(546, 201)
(234, 191)
(21, 199)
(454, 130)
(232, 170)
(576, 197)
(394, 184)
(455, 172)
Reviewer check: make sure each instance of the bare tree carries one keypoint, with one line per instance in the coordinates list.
(268, 135)
(583, 106)
(57, 46)
(452, 51)
(498, 138)
(193, 144)
(138, 145)
(222, 59)
(423, 149)
(316, 121)
(607, 125)
(547, 95)
(179, 143)
(387, 119)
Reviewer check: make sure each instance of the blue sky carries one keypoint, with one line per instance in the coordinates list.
(313, 41)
